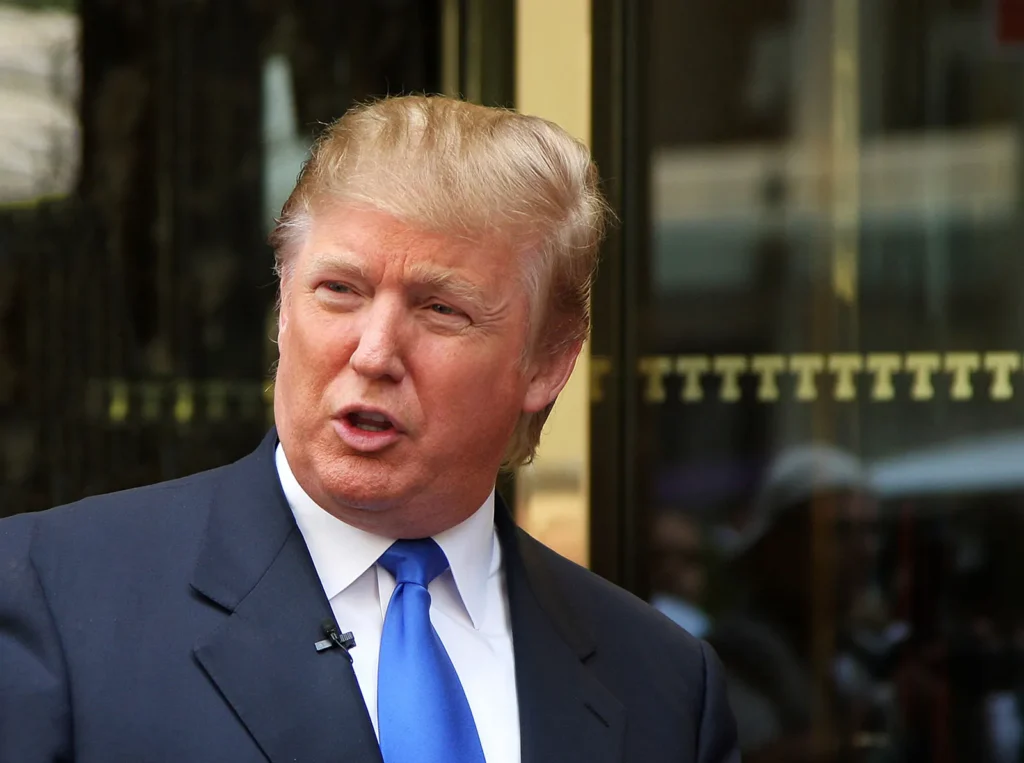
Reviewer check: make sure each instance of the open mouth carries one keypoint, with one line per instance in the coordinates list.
(370, 422)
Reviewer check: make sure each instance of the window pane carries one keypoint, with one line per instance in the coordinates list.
(831, 380)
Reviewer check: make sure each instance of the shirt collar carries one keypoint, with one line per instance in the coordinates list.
(341, 553)
(474, 556)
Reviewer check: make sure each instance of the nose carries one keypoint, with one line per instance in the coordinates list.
(378, 354)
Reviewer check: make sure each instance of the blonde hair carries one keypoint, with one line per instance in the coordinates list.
(488, 174)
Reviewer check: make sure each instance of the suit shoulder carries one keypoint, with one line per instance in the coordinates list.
(16, 535)
(647, 661)
(614, 614)
(109, 506)
(147, 513)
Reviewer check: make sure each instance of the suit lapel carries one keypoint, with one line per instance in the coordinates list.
(297, 703)
(565, 713)
(301, 705)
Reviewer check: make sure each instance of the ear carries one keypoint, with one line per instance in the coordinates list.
(547, 377)
(283, 308)
(282, 318)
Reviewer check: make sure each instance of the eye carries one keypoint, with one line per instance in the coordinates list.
(337, 288)
(440, 309)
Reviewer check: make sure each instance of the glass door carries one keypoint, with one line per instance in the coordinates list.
(808, 429)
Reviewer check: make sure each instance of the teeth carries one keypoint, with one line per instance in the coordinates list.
(371, 422)
(366, 426)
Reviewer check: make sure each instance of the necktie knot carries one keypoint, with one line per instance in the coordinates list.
(414, 561)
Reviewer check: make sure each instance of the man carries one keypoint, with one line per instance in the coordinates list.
(679, 573)
(353, 590)
(767, 641)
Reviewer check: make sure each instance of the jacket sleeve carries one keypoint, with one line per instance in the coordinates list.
(717, 742)
(35, 716)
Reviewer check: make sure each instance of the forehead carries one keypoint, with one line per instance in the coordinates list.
(373, 241)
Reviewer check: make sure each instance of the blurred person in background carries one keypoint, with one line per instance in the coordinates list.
(767, 640)
(354, 590)
(679, 575)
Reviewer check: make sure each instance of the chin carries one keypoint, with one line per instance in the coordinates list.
(367, 484)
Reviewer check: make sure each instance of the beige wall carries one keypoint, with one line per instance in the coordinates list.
(553, 81)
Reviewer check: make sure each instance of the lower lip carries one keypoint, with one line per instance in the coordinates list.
(363, 441)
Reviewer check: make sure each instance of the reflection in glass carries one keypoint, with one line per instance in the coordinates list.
(831, 379)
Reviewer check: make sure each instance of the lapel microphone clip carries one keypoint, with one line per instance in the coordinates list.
(343, 641)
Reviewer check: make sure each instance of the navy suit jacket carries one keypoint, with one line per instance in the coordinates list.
(177, 622)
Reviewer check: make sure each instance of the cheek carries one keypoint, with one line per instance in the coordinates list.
(471, 388)
(317, 339)
(307, 359)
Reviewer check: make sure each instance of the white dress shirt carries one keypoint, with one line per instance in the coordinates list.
(469, 608)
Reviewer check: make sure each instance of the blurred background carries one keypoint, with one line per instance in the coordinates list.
(798, 429)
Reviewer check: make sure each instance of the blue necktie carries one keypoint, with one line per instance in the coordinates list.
(422, 712)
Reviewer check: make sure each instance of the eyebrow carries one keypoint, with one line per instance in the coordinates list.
(337, 262)
(444, 282)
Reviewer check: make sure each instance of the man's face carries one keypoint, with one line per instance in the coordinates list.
(400, 377)
(678, 559)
